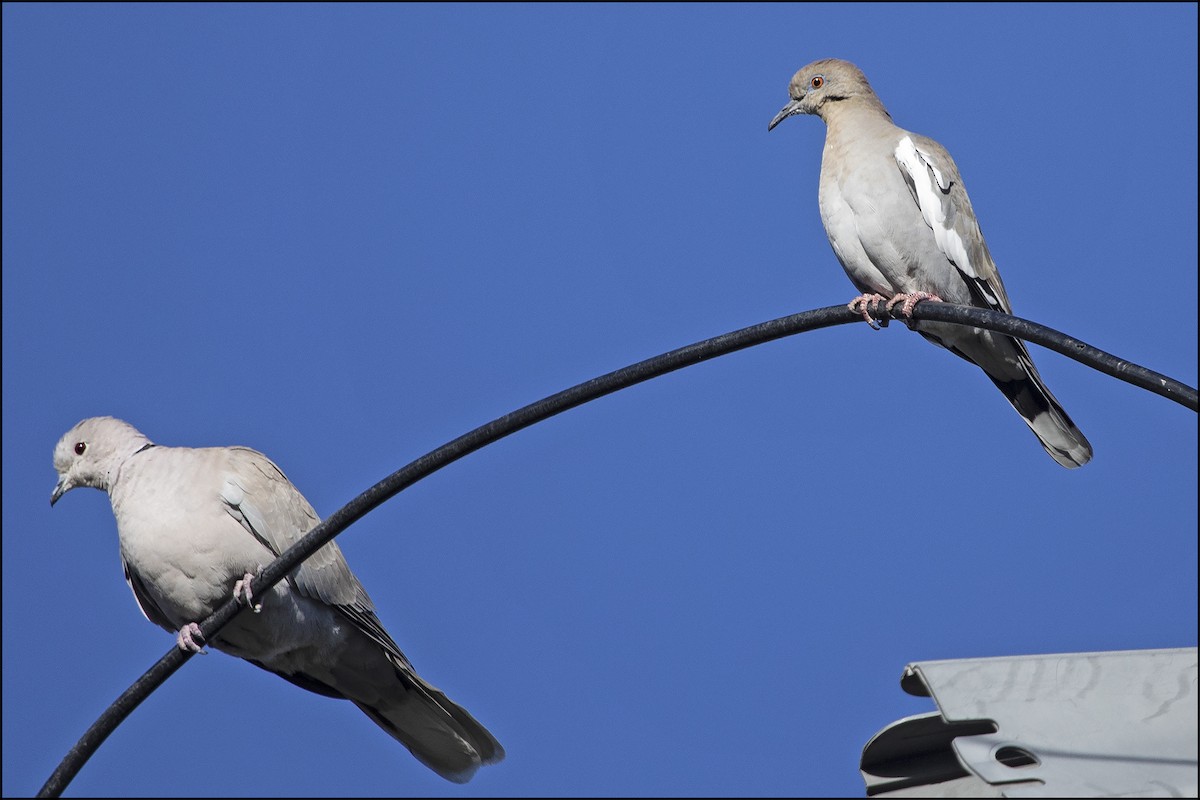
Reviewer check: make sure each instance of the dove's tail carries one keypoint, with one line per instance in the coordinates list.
(1065, 443)
(1007, 362)
(1049, 422)
(435, 729)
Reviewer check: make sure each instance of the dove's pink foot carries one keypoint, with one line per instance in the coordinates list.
(910, 300)
(864, 302)
(242, 589)
(188, 636)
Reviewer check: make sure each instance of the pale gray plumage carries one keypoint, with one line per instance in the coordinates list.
(192, 522)
(900, 222)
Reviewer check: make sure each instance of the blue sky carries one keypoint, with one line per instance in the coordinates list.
(346, 235)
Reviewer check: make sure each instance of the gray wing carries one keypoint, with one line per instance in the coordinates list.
(436, 730)
(261, 498)
(937, 188)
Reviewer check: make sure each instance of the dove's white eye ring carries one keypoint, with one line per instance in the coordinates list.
(80, 447)
(817, 81)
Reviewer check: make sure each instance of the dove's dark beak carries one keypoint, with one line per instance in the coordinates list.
(62, 487)
(789, 110)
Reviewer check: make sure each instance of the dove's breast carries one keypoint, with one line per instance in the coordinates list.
(175, 536)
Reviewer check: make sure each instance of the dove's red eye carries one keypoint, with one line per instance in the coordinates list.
(817, 82)
(80, 447)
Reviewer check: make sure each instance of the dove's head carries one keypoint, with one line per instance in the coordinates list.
(820, 86)
(90, 453)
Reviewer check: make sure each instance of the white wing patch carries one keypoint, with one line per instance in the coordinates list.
(232, 493)
(931, 188)
(247, 514)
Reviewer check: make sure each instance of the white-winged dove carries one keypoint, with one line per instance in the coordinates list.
(899, 220)
(194, 524)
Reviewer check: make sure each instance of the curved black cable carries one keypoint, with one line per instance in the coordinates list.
(584, 392)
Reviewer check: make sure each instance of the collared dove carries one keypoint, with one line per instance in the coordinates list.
(899, 220)
(193, 523)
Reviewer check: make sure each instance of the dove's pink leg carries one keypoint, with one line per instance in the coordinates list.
(862, 303)
(188, 636)
(242, 589)
(910, 300)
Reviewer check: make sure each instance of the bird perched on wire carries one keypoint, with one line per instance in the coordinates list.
(195, 525)
(900, 222)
